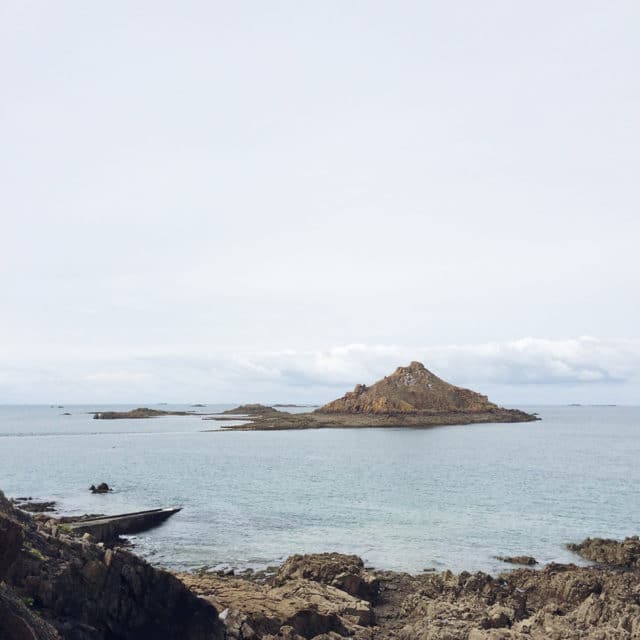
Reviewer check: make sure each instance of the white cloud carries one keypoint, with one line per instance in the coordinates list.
(535, 368)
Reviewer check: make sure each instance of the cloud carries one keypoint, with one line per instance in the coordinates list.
(525, 361)
(183, 373)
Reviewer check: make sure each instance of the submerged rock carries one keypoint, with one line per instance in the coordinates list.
(523, 560)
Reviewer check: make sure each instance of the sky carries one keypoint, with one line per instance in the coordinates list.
(274, 201)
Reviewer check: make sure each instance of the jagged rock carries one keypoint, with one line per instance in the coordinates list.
(564, 602)
(345, 572)
(309, 608)
(611, 552)
(18, 622)
(11, 538)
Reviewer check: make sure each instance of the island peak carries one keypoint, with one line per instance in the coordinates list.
(411, 389)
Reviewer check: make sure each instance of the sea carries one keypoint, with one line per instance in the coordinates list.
(402, 498)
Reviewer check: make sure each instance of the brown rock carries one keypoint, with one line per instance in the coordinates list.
(309, 608)
(409, 389)
(610, 552)
(88, 593)
(345, 572)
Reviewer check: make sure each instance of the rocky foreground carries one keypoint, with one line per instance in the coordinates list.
(410, 397)
(332, 596)
(55, 585)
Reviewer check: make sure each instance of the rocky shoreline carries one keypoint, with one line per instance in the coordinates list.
(281, 421)
(59, 585)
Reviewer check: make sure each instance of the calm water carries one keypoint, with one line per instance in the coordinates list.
(451, 497)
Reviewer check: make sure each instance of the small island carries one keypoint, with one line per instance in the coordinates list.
(412, 396)
(140, 412)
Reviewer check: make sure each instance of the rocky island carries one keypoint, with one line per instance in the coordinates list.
(412, 396)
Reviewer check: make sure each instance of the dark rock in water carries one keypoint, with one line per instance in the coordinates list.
(610, 552)
(523, 560)
(103, 487)
(87, 592)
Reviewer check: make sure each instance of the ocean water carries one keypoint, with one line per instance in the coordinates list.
(404, 499)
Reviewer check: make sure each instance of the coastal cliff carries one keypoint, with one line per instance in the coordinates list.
(410, 397)
(57, 585)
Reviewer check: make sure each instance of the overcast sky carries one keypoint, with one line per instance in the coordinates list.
(221, 201)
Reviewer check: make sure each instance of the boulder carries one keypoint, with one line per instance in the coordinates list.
(345, 572)
(103, 487)
(308, 608)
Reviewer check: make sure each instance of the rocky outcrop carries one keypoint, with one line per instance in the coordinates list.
(87, 592)
(301, 601)
(561, 601)
(345, 572)
(308, 608)
(409, 389)
(46, 506)
(19, 622)
(610, 552)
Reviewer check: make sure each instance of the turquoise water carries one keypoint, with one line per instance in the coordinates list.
(450, 497)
